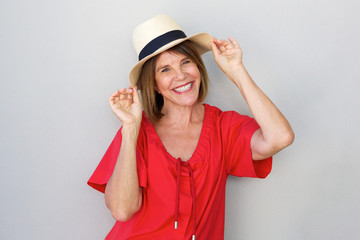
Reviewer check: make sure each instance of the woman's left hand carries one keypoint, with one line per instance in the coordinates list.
(227, 54)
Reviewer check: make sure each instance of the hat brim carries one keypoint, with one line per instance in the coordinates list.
(201, 42)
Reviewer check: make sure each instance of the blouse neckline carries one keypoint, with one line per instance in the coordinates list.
(203, 133)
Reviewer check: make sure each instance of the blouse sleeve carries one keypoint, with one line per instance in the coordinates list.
(237, 132)
(104, 170)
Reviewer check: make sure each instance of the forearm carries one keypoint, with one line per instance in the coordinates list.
(123, 195)
(276, 130)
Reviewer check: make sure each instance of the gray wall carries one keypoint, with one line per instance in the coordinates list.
(61, 59)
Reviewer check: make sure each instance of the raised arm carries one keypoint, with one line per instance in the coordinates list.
(275, 132)
(123, 196)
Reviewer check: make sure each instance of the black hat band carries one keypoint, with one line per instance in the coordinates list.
(160, 41)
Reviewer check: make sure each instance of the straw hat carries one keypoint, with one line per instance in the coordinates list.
(157, 35)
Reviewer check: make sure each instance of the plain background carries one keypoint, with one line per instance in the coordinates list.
(60, 60)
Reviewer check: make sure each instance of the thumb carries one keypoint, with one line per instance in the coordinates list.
(136, 97)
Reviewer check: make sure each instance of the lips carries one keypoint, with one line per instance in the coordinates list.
(183, 88)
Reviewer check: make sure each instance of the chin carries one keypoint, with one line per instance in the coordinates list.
(190, 102)
(182, 102)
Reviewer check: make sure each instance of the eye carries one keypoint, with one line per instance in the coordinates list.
(186, 61)
(165, 70)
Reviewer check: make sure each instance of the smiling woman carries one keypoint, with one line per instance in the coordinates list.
(164, 174)
(153, 71)
(177, 79)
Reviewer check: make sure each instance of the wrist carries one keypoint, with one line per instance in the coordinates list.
(236, 72)
(130, 132)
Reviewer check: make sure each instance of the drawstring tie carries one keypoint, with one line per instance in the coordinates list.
(192, 185)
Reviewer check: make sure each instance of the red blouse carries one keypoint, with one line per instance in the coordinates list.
(193, 192)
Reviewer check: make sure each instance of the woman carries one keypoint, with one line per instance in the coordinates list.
(165, 172)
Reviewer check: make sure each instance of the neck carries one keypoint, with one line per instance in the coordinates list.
(182, 116)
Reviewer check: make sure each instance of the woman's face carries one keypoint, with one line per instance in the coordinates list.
(177, 79)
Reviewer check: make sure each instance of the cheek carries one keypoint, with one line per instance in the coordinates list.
(195, 72)
(161, 83)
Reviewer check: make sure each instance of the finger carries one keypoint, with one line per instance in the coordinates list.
(219, 44)
(214, 47)
(136, 96)
(234, 42)
(111, 101)
(223, 45)
(222, 48)
(128, 92)
(112, 97)
(114, 94)
(117, 96)
(129, 96)
(217, 41)
(122, 94)
(226, 44)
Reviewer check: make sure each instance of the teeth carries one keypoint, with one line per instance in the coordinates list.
(183, 88)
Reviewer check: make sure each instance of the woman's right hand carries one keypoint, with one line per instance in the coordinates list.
(125, 104)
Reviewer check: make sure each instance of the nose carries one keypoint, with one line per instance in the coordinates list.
(180, 74)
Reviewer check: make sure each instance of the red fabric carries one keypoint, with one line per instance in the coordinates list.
(223, 149)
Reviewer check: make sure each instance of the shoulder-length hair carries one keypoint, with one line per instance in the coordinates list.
(152, 100)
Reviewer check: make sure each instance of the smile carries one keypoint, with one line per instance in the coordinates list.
(184, 88)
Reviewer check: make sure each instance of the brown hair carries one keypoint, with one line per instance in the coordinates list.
(152, 100)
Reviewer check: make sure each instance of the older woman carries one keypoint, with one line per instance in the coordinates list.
(165, 172)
